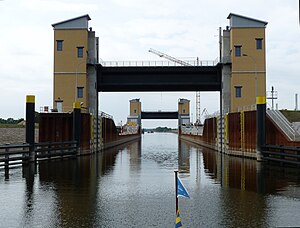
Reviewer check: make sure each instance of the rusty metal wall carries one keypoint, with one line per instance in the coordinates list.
(250, 131)
(234, 131)
(55, 127)
(58, 127)
(109, 130)
(241, 132)
(210, 131)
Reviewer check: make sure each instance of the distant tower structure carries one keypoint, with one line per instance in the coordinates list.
(183, 111)
(272, 95)
(244, 62)
(296, 102)
(75, 53)
(135, 112)
(198, 109)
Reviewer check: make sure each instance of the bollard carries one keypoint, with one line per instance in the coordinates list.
(30, 107)
(6, 163)
(260, 126)
(77, 123)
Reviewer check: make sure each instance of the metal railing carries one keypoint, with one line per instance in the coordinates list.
(282, 122)
(11, 155)
(282, 154)
(50, 150)
(105, 115)
(150, 63)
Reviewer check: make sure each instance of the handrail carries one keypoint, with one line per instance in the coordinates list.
(5, 146)
(21, 153)
(163, 63)
(279, 154)
(282, 122)
(54, 143)
(105, 115)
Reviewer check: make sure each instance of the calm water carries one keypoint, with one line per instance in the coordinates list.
(133, 186)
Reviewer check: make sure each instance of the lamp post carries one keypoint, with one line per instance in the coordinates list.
(255, 65)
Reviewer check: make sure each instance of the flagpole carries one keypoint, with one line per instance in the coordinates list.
(176, 189)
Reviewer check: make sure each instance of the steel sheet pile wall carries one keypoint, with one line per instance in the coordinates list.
(109, 130)
(110, 134)
(58, 127)
(210, 131)
(239, 134)
(55, 127)
(242, 131)
(234, 131)
(250, 131)
(209, 136)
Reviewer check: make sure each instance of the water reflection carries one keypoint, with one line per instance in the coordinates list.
(183, 157)
(133, 186)
(247, 174)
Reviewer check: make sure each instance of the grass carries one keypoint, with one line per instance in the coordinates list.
(292, 116)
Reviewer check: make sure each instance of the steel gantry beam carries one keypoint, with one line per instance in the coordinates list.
(157, 78)
(159, 115)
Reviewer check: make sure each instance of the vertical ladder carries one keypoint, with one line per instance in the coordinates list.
(221, 133)
(198, 111)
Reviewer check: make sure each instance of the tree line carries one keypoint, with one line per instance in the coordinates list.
(10, 121)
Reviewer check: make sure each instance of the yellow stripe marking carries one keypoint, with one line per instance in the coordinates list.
(30, 99)
(76, 105)
(261, 100)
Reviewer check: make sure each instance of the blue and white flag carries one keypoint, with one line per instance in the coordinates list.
(181, 191)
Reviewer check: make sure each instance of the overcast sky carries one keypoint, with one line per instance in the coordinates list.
(127, 29)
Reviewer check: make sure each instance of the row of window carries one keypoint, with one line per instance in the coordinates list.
(59, 47)
(238, 48)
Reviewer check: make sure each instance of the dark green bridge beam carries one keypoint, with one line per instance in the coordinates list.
(138, 79)
(159, 115)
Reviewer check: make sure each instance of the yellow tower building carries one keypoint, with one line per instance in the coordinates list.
(135, 107)
(183, 111)
(135, 112)
(243, 46)
(75, 50)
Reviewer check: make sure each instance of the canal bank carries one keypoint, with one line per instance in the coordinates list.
(238, 134)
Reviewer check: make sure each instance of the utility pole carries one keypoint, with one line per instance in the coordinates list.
(273, 96)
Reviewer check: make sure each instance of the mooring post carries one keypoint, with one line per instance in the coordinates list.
(30, 107)
(260, 126)
(77, 123)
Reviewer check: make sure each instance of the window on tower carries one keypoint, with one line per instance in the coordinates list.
(238, 50)
(80, 52)
(259, 43)
(238, 91)
(59, 45)
(79, 92)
